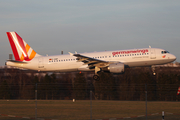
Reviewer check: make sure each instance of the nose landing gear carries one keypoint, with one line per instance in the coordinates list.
(153, 70)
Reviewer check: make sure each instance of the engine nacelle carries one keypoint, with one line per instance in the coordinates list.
(116, 68)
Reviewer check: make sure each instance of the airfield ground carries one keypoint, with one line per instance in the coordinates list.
(81, 109)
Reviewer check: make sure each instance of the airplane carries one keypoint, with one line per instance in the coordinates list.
(108, 61)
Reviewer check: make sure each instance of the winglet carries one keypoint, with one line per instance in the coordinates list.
(71, 53)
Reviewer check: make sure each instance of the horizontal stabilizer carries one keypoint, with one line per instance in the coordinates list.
(15, 61)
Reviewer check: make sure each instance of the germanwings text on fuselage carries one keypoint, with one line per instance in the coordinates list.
(131, 51)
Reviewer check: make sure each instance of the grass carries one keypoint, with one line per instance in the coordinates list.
(80, 110)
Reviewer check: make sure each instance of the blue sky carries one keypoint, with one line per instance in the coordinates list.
(87, 26)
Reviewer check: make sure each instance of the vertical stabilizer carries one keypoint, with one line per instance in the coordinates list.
(21, 50)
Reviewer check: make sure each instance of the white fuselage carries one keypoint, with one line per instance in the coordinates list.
(63, 63)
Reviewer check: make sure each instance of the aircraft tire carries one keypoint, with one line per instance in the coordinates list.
(96, 77)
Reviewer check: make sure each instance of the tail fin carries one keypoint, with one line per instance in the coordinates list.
(21, 50)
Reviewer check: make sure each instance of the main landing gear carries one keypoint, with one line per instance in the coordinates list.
(96, 76)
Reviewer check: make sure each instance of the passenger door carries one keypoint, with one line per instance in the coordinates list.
(40, 63)
(152, 54)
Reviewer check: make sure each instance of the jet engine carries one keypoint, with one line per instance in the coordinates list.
(116, 68)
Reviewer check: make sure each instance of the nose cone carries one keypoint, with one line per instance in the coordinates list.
(173, 57)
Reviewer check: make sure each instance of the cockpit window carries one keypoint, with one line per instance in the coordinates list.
(164, 52)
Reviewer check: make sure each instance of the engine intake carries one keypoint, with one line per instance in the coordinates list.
(116, 68)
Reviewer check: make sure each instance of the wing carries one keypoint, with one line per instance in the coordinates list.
(91, 62)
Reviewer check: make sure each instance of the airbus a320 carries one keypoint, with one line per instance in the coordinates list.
(111, 61)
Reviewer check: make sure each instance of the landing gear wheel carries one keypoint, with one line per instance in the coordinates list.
(153, 70)
(96, 77)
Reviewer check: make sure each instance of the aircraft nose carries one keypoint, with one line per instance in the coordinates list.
(173, 57)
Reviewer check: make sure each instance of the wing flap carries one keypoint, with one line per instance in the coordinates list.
(91, 62)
